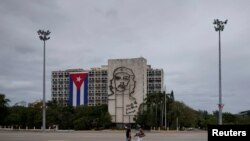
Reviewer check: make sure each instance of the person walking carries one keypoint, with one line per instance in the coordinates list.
(140, 134)
(128, 133)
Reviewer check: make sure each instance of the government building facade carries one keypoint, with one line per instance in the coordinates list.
(122, 84)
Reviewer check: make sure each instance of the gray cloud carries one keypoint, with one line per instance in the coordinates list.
(177, 36)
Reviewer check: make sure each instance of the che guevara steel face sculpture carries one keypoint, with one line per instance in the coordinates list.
(123, 82)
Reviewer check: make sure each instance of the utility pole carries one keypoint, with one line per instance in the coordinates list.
(219, 26)
(167, 98)
(43, 36)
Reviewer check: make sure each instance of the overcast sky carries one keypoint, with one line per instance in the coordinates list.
(175, 35)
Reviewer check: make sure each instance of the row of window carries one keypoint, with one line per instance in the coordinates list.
(152, 80)
(97, 84)
(154, 77)
(98, 78)
(60, 83)
(60, 76)
(153, 87)
(98, 72)
(98, 81)
(60, 86)
(60, 90)
(59, 95)
(155, 84)
(98, 88)
(154, 72)
(97, 94)
(98, 91)
(60, 79)
(98, 75)
(97, 98)
(92, 104)
(97, 102)
(59, 98)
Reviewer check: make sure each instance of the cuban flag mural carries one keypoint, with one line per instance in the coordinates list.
(78, 89)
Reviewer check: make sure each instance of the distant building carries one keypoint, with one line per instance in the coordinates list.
(122, 84)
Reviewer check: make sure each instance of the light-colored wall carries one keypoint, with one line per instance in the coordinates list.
(123, 104)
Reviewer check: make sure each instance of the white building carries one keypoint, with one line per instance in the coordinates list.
(98, 86)
(155, 80)
(122, 84)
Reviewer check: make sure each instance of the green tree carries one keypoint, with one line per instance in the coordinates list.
(3, 108)
(91, 117)
(201, 120)
(243, 119)
(151, 113)
(17, 116)
(52, 114)
(59, 115)
(105, 120)
(65, 117)
(229, 118)
(150, 117)
(186, 115)
(35, 115)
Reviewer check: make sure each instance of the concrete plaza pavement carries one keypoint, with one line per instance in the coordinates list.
(105, 135)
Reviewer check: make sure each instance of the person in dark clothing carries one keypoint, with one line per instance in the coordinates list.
(128, 134)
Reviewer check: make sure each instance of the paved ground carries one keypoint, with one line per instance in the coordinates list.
(100, 136)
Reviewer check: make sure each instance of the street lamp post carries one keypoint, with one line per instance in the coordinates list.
(43, 35)
(170, 97)
(219, 26)
(165, 110)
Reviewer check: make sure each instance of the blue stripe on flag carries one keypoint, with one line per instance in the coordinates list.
(70, 101)
(86, 91)
(78, 97)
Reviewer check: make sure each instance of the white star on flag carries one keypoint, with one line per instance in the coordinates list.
(78, 79)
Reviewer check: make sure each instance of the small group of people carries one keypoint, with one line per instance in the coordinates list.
(138, 135)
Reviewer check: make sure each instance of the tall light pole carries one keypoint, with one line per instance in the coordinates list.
(43, 35)
(219, 26)
(165, 108)
(170, 97)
